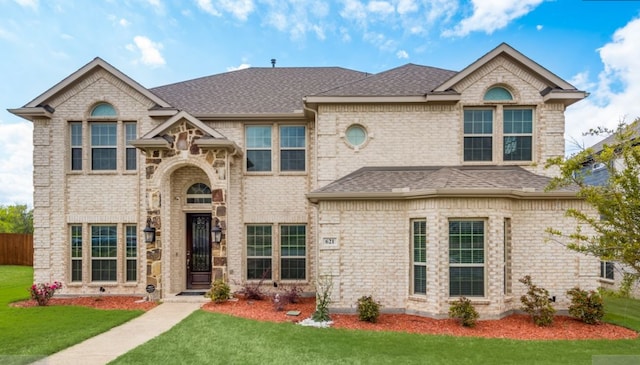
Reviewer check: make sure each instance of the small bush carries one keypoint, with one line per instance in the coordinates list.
(587, 306)
(41, 293)
(537, 303)
(291, 294)
(368, 309)
(323, 299)
(463, 310)
(220, 291)
(252, 291)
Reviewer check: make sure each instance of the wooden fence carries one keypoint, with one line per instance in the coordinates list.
(16, 249)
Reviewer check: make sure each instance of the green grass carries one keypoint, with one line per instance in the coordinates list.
(623, 312)
(30, 333)
(205, 338)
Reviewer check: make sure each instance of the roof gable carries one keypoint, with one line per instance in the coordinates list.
(157, 131)
(89, 67)
(505, 49)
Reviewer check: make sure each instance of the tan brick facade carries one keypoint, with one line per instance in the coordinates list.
(368, 251)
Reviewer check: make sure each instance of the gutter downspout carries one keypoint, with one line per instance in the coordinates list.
(315, 184)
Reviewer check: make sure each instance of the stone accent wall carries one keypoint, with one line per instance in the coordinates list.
(209, 166)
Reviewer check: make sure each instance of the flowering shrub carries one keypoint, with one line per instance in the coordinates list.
(43, 292)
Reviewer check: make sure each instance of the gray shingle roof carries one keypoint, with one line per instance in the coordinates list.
(391, 179)
(254, 90)
(281, 89)
(407, 80)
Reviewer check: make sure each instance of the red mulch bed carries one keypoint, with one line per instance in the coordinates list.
(513, 327)
(106, 302)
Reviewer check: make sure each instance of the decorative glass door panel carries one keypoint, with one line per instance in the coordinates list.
(199, 251)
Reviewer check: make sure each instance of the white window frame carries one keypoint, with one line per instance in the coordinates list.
(469, 265)
(415, 263)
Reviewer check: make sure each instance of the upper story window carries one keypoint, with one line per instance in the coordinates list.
(497, 93)
(356, 135)
(518, 132)
(478, 134)
(103, 110)
(507, 130)
(75, 129)
(130, 134)
(292, 148)
(289, 144)
(103, 146)
(258, 148)
(199, 193)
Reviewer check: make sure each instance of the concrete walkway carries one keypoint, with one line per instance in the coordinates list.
(107, 346)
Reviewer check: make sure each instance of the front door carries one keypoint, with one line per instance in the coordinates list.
(199, 251)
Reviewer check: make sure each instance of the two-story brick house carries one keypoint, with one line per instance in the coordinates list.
(416, 185)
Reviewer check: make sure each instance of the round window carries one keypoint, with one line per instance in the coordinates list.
(356, 135)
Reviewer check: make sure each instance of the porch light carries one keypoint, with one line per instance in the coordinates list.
(216, 232)
(149, 232)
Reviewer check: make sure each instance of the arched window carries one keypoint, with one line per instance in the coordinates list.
(103, 110)
(198, 193)
(498, 93)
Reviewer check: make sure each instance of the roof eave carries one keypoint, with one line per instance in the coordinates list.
(214, 143)
(523, 194)
(295, 115)
(565, 97)
(31, 113)
(150, 143)
(448, 97)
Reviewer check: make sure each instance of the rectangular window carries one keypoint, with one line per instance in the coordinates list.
(293, 252)
(292, 148)
(76, 253)
(259, 249)
(104, 248)
(76, 145)
(131, 253)
(518, 134)
(258, 148)
(606, 270)
(130, 134)
(466, 258)
(419, 248)
(103, 146)
(507, 257)
(478, 135)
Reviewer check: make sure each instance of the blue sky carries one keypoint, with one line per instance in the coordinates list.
(591, 43)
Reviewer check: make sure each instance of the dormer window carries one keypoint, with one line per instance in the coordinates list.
(498, 93)
(103, 110)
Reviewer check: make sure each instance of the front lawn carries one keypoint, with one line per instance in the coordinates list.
(30, 333)
(206, 338)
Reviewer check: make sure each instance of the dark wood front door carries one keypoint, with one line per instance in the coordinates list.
(199, 251)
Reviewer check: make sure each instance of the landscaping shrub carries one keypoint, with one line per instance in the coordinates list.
(323, 299)
(252, 291)
(368, 309)
(220, 291)
(43, 292)
(537, 303)
(464, 311)
(587, 306)
(291, 294)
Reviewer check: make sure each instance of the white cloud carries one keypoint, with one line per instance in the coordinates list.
(402, 54)
(407, 6)
(614, 96)
(208, 7)
(236, 68)
(124, 22)
(381, 7)
(8, 36)
(491, 15)
(239, 8)
(16, 168)
(539, 27)
(155, 3)
(150, 51)
(298, 18)
(33, 4)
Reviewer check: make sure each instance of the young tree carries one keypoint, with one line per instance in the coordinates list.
(16, 219)
(617, 202)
